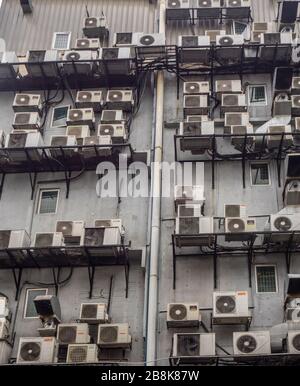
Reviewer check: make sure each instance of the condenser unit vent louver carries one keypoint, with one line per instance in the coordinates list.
(82, 353)
(43, 240)
(114, 336)
(193, 345)
(251, 343)
(94, 313)
(27, 103)
(293, 342)
(123, 39)
(73, 333)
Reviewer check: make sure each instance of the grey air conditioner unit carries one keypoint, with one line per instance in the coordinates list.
(114, 336)
(27, 103)
(213, 33)
(233, 103)
(296, 85)
(194, 49)
(195, 104)
(229, 40)
(234, 211)
(194, 231)
(27, 121)
(179, 9)
(237, 9)
(112, 116)
(242, 136)
(4, 328)
(292, 194)
(236, 119)
(230, 307)
(42, 63)
(197, 136)
(14, 239)
(84, 116)
(36, 350)
(228, 86)
(238, 229)
(94, 313)
(258, 28)
(18, 141)
(296, 104)
(73, 333)
(252, 343)
(189, 346)
(117, 132)
(189, 210)
(87, 44)
(73, 231)
(279, 134)
(189, 194)
(150, 45)
(285, 223)
(89, 99)
(119, 100)
(123, 39)
(60, 146)
(183, 315)
(208, 9)
(95, 27)
(82, 353)
(79, 132)
(79, 62)
(282, 105)
(196, 87)
(53, 239)
(89, 144)
(293, 342)
(116, 60)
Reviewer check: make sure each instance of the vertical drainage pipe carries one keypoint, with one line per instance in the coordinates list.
(156, 209)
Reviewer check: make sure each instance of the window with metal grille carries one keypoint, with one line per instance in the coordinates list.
(61, 40)
(266, 279)
(48, 201)
(59, 116)
(29, 308)
(260, 174)
(257, 95)
(239, 28)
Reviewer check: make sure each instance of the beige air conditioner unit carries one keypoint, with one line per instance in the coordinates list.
(73, 231)
(187, 346)
(112, 116)
(293, 342)
(195, 104)
(296, 104)
(20, 140)
(27, 103)
(284, 223)
(104, 151)
(79, 62)
(252, 343)
(233, 103)
(53, 239)
(236, 119)
(195, 231)
(234, 211)
(82, 353)
(36, 350)
(237, 9)
(79, 132)
(89, 99)
(94, 313)
(117, 132)
(87, 44)
(296, 85)
(228, 86)
(73, 333)
(197, 136)
(230, 307)
(196, 88)
(58, 142)
(27, 121)
(237, 228)
(116, 222)
(114, 336)
(101, 236)
(116, 60)
(14, 239)
(81, 117)
(183, 315)
(258, 28)
(179, 9)
(119, 100)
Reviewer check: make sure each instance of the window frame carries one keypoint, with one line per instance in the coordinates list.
(40, 200)
(52, 116)
(269, 174)
(55, 34)
(257, 104)
(26, 301)
(275, 275)
(240, 22)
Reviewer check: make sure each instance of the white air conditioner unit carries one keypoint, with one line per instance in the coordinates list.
(228, 86)
(230, 307)
(189, 194)
(119, 100)
(275, 38)
(213, 33)
(252, 343)
(17, 141)
(78, 131)
(276, 45)
(79, 62)
(282, 105)
(236, 119)
(194, 49)
(258, 28)
(81, 117)
(234, 211)
(14, 239)
(189, 210)
(284, 223)
(275, 136)
(195, 231)
(116, 60)
(103, 151)
(42, 63)
(194, 42)
(293, 342)
(237, 228)
(148, 40)
(187, 345)
(36, 350)
(115, 222)
(123, 39)
(94, 313)
(292, 193)
(239, 139)
(296, 84)
(114, 336)
(296, 104)
(195, 104)
(208, 8)
(4, 328)
(95, 27)
(4, 310)
(73, 333)
(116, 131)
(87, 44)
(233, 102)
(27, 103)
(82, 353)
(196, 88)
(237, 9)
(73, 231)
(112, 116)
(197, 136)
(59, 143)
(89, 99)
(27, 121)
(179, 9)
(229, 40)
(52, 239)
(102, 236)
(183, 315)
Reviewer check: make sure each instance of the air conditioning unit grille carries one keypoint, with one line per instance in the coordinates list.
(89, 311)
(22, 99)
(236, 225)
(231, 100)
(246, 344)
(188, 345)
(44, 240)
(178, 312)
(22, 118)
(124, 38)
(78, 354)
(66, 227)
(109, 334)
(192, 101)
(189, 225)
(296, 342)
(94, 236)
(67, 334)
(189, 41)
(4, 239)
(283, 224)
(225, 304)
(30, 352)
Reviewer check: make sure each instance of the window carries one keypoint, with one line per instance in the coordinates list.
(61, 40)
(266, 279)
(48, 201)
(31, 294)
(257, 95)
(59, 116)
(260, 174)
(239, 28)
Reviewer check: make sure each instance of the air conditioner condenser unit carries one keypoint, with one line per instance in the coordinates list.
(293, 342)
(116, 61)
(114, 336)
(42, 63)
(73, 333)
(196, 87)
(95, 27)
(197, 136)
(14, 239)
(196, 104)
(237, 9)
(179, 9)
(239, 229)
(27, 103)
(94, 313)
(89, 99)
(119, 100)
(82, 353)
(87, 44)
(36, 350)
(43, 240)
(18, 141)
(292, 194)
(230, 307)
(189, 194)
(194, 49)
(183, 315)
(251, 343)
(208, 9)
(73, 231)
(117, 132)
(27, 121)
(84, 116)
(287, 223)
(279, 134)
(233, 103)
(194, 231)
(60, 146)
(79, 62)
(189, 346)
(228, 86)
(91, 146)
